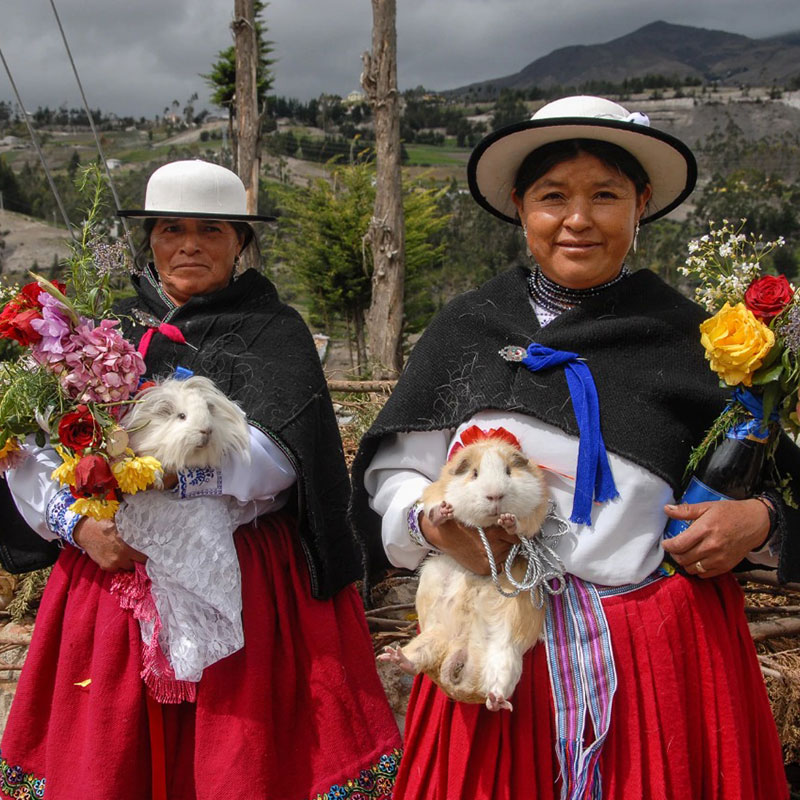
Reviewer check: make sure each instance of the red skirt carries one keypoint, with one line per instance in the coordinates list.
(690, 718)
(297, 713)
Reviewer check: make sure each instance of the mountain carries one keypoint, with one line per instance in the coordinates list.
(660, 48)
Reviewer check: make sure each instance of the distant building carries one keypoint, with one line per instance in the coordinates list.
(354, 98)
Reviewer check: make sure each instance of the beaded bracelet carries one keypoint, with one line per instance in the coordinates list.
(414, 531)
(768, 503)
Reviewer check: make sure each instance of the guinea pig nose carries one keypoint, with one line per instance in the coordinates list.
(494, 498)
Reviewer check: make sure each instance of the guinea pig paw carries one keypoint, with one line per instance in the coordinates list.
(441, 513)
(395, 655)
(508, 521)
(496, 702)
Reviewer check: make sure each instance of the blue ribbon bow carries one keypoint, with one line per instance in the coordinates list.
(593, 480)
(754, 405)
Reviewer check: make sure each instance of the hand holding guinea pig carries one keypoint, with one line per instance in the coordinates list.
(464, 545)
(472, 638)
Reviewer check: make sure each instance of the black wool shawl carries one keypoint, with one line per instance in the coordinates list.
(260, 353)
(639, 337)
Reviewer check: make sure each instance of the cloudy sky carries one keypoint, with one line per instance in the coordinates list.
(135, 58)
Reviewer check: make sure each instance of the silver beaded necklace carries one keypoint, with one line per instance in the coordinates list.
(557, 298)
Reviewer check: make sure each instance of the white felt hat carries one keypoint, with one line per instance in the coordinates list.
(195, 189)
(668, 162)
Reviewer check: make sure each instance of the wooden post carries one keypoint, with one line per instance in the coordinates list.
(248, 144)
(386, 234)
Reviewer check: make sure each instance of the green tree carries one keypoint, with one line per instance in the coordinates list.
(222, 78)
(321, 239)
(508, 110)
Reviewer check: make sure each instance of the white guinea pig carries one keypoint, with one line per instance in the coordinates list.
(187, 423)
(472, 638)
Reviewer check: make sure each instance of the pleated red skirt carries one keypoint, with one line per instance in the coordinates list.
(690, 718)
(298, 713)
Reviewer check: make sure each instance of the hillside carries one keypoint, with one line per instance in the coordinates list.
(660, 48)
(27, 241)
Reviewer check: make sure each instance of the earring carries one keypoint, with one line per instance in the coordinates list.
(525, 237)
(237, 261)
(636, 236)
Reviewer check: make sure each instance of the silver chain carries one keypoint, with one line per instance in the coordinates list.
(543, 563)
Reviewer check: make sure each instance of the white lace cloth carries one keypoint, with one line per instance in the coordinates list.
(194, 570)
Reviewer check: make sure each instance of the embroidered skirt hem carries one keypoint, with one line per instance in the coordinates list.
(298, 711)
(690, 716)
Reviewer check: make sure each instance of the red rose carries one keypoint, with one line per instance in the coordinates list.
(79, 430)
(93, 478)
(766, 297)
(16, 317)
(15, 323)
(28, 296)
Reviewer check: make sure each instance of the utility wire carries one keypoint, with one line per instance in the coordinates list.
(39, 150)
(94, 130)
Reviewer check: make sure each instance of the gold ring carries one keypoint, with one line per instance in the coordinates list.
(699, 567)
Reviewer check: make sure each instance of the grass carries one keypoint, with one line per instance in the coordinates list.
(432, 155)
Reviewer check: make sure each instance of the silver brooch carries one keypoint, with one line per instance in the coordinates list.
(143, 318)
(513, 353)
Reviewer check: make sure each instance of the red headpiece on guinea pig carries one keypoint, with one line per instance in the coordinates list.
(475, 434)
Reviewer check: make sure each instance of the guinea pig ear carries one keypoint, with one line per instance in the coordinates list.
(517, 460)
(461, 466)
(162, 407)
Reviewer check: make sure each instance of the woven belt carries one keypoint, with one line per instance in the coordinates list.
(583, 679)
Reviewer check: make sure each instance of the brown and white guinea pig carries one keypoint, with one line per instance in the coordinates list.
(187, 423)
(472, 638)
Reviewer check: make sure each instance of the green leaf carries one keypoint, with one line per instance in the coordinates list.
(770, 399)
(775, 351)
(760, 378)
(40, 438)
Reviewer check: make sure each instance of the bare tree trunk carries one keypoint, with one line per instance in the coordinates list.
(386, 233)
(248, 144)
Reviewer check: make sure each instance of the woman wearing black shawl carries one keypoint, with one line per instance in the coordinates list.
(647, 684)
(298, 711)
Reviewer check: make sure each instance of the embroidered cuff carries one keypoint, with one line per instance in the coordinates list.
(414, 531)
(199, 482)
(60, 519)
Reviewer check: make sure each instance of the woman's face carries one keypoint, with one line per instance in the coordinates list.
(580, 219)
(193, 256)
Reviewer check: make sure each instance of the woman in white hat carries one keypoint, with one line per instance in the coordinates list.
(299, 711)
(647, 684)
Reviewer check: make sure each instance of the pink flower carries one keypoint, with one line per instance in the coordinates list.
(102, 367)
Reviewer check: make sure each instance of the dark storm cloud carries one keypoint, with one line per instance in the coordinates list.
(137, 57)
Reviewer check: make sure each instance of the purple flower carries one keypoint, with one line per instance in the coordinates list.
(101, 365)
(54, 328)
(109, 259)
(790, 330)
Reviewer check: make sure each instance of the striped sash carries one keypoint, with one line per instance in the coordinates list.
(583, 681)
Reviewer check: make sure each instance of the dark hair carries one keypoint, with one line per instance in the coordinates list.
(243, 229)
(540, 161)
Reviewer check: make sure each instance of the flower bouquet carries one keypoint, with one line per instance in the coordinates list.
(74, 374)
(752, 342)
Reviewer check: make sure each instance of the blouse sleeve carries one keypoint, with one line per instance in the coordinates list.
(39, 499)
(258, 485)
(403, 466)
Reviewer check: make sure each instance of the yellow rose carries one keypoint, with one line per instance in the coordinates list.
(736, 343)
